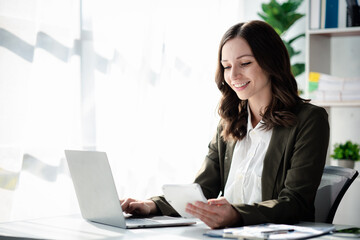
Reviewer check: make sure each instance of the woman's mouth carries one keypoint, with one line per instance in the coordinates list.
(241, 85)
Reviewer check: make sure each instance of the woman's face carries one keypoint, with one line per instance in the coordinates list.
(242, 72)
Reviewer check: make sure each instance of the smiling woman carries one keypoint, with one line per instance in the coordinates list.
(268, 153)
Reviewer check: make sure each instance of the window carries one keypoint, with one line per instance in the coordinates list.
(132, 78)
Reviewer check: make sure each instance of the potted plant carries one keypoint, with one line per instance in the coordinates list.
(281, 16)
(346, 154)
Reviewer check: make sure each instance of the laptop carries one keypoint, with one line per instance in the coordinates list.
(97, 196)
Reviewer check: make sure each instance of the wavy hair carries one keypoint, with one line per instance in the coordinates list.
(271, 54)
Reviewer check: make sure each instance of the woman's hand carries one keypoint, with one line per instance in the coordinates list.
(137, 207)
(216, 213)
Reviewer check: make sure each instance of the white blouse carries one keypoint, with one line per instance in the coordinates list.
(244, 182)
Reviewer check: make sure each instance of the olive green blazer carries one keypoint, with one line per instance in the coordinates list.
(292, 171)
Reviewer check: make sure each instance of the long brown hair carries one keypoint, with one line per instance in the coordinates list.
(272, 56)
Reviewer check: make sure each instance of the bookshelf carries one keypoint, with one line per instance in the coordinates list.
(334, 32)
(335, 51)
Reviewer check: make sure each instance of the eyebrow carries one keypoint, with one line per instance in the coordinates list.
(245, 55)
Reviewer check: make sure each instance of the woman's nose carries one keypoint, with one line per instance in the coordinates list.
(235, 73)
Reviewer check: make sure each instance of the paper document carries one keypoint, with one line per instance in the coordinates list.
(179, 195)
(270, 231)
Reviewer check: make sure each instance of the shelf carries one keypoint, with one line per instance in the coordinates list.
(350, 31)
(336, 104)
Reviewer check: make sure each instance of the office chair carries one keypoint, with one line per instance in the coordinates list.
(334, 183)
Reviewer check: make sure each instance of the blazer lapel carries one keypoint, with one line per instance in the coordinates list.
(272, 160)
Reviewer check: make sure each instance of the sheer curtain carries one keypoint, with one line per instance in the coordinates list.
(132, 78)
(39, 106)
(156, 104)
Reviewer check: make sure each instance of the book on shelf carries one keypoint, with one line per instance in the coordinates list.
(315, 16)
(325, 87)
(353, 13)
(333, 14)
(342, 15)
(322, 13)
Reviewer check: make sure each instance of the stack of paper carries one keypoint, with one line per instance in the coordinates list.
(324, 87)
(271, 231)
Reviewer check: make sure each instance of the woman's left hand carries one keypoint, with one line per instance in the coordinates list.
(216, 213)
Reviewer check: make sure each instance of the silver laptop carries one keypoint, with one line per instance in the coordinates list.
(97, 196)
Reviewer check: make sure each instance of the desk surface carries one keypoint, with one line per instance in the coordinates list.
(74, 227)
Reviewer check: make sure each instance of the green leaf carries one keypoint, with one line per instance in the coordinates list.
(297, 37)
(291, 19)
(289, 48)
(291, 5)
(297, 69)
(265, 18)
(277, 25)
(281, 17)
(296, 53)
(265, 7)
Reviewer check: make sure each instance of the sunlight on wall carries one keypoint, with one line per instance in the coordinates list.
(39, 106)
(155, 96)
(156, 106)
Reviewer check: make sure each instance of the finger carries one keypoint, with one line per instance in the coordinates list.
(200, 213)
(218, 201)
(205, 207)
(132, 207)
(193, 210)
(208, 218)
(139, 207)
(125, 204)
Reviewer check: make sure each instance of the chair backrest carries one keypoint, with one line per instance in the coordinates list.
(334, 183)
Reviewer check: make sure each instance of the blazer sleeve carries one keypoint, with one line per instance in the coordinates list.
(298, 175)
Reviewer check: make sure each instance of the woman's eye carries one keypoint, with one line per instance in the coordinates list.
(227, 67)
(245, 64)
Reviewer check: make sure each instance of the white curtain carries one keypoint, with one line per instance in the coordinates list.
(39, 105)
(132, 78)
(156, 105)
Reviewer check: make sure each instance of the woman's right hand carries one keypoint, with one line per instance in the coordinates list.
(137, 207)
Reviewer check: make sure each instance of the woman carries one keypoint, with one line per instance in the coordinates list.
(269, 151)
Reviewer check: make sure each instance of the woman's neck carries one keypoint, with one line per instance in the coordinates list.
(255, 117)
(257, 110)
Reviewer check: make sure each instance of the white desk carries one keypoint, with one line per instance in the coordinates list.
(74, 227)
